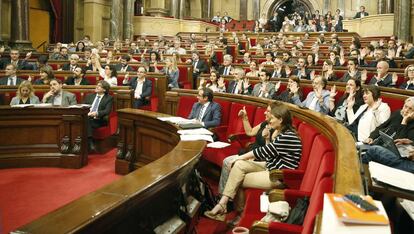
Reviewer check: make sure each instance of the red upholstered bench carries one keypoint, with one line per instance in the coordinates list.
(153, 106)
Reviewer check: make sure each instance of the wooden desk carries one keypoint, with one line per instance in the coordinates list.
(136, 202)
(43, 137)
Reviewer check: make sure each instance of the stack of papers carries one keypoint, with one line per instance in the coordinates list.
(391, 176)
(196, 138)
(218, 144)
(196, 131)
(22, 105)
(176, 120)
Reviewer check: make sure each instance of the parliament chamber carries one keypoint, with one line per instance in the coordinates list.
(96, 98)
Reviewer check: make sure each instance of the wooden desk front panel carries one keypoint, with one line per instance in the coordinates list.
(32, 137)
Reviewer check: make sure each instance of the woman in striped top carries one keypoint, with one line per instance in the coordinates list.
(284, 151)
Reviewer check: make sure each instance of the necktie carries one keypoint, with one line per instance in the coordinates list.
(11, 81)
(96, 104)
(200, 115)
(225, 71)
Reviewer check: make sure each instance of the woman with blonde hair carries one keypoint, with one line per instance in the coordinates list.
(171, 71)
(409, 78)
(25, 95)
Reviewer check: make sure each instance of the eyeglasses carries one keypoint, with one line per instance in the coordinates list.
(410, 70)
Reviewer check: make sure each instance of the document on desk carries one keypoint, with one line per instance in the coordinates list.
(218, 144)
(196, 131)
(196, 138)
(391, 176)
(175, 119)
(22, 105)
(408, 206)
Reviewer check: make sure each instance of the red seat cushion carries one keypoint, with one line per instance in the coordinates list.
(184, 106)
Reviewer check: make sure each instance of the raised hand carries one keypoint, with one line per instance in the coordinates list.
(242, 113)
(277, 86)
(351, 100)
(294, 88)
(30, 78)
(28, 55)
(394, 78)
(333, 92)
(363, 53)
(220, 82)
(202, 81)
(377, 104)
(312, 74)
(288, 70)
(246, 83)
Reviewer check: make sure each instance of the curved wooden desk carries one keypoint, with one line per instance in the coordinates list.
(137, 198)
(43, 136)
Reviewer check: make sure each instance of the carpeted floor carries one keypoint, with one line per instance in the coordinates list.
(26, 194)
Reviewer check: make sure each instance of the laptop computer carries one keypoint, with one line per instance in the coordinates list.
(400, 150)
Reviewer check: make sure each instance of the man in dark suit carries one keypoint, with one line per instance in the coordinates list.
(361, 13)
(142, 87)
(123, 66)
(101, 107)
(275, 22)
(383, 78)
(73, 63)
(10, 78)
(205, 111)
(78, 77)
(199, 66)
(14, 59)
(226, 69)
(57, 96)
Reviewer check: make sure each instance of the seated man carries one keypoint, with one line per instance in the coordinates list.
(78, 77)
(317, 100)
(207, 112)
(14, 59)
(383, 78)
(124, 66)
(57, 96)
(142, 87)
(101, 107)
(10, 78)
(264, 89)
(361, 13)
(73, 63)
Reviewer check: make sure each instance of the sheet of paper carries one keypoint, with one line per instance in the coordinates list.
(22, 105)
(173, 119)
(197, 131)
(196, 138)
(218, 144)
(391, 176)
(79, 106)
(43, 105)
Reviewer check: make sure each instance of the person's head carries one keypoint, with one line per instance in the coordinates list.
(408, 107)
(409, 72)
(269, 56)
(80, 46)
(14, 54)
(154, 56)
(293, 80)
(301, 63)
(205, 95)
(354, 53)
(195, 56)
(10, 70)
(102, 87)
(246, 57)
(227, 60)
(74, 58)
(371, 94)
(362, 8)
(332, 55)
(64, 51)
(352, 64)
(278, 63)
(286, 55)
(141, 72)
(352, 85)
(253, 66)
(319, 83)
(265, 75)
(55, 86)
(214, 76)
(379, 54)
(46, 73)
(110, 71)
(382, 68)
(280, 117)
(239, 73)
(87, 52)
(327, 65)
(78, 72)
(25, 90)
(42, 60)
(125, 59)
(310, 59)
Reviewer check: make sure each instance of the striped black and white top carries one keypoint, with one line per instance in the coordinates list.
(283, 153)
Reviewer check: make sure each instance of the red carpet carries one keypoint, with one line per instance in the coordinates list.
(26, 194)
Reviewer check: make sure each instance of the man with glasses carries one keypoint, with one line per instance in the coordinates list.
(142, 87)
(206, 111)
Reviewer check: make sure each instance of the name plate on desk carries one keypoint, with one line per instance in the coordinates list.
(47, 136)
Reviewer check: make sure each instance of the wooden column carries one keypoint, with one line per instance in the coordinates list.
(20, 25)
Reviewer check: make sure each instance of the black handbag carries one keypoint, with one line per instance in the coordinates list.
(298, 213)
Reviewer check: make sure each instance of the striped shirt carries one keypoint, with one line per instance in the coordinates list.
(283, 153)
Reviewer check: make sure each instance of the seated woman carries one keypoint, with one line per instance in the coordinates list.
(171, 71)
(109, 74)
(46, 75)
(25, 95)
(284, 151)
(327, 71)
(216, 83)
(253, 70)
(353, 93)
(93, 64)
(287, 94)
(409, 78)
(369, 116)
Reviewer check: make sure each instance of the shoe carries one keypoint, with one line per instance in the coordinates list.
(219, 216)
(234, 222)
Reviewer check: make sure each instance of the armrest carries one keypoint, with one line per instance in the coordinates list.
(276, 195)
(293, 178)
(276, 175)
(275, 227)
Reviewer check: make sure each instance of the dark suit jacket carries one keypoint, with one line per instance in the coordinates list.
(390, 62)
(211, 117)
(302, 76)
(71, 81)
(146, 87)
(393, 124)
(404, 86)
(21, 64)
(104, 108)
(221, 69)
(232, 85)
(386, 82)
(358, 15)
(201, 66)
(118, 67)
(4, 80)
